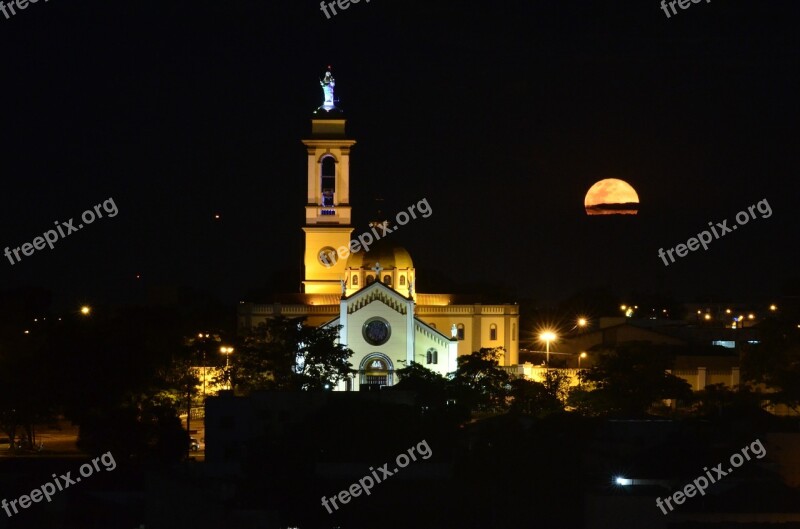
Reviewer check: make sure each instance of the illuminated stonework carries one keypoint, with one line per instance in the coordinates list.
(372, 295)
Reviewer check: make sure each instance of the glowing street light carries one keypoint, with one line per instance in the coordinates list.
(547, 337)
(582, 355)
(582, 322)
(773, 307)
(86, 310)
(227, 352)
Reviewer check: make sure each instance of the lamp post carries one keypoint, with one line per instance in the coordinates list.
(547, 337)
(227, 352)
(582, 355)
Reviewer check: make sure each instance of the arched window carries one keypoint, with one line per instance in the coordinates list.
(460, 329)
(493, 332)
(432, 356)
(402, 281)
(370, 280)
(387, 280)
(355, 281)
(328, 180)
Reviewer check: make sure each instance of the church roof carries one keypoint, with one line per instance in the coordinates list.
(383, 252)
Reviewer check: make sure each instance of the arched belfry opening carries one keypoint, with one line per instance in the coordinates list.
(328, 180)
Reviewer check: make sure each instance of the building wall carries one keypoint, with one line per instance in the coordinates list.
(397, 346)
(477, 320)
(321, 279)
(425, 339)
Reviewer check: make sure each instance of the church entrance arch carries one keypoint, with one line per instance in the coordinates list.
(376, 370)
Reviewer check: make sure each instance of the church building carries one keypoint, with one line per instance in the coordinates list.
(371, 294)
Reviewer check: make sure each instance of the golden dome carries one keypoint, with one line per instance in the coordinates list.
(387, 255)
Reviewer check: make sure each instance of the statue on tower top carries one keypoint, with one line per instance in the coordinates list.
(327, 84)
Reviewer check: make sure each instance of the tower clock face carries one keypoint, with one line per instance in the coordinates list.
(327, 256)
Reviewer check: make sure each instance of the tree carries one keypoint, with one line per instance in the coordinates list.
(27, 377)
(540, 398)
(430, 385)
(629, 379)
(285, 354)
(716, 399)
(479, 381)
(775, 362)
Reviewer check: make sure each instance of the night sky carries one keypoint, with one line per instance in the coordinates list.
(501, 114)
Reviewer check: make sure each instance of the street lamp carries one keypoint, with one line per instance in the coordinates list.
(547, 337)
(582, 355)
(86, 310)
(582, 322)
(227, 352)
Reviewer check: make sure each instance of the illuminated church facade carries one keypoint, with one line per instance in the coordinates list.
(371, 294)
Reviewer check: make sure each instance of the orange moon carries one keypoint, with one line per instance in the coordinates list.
(611, 197)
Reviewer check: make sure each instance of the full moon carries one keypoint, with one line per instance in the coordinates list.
(611, 197)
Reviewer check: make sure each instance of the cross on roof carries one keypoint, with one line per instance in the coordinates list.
(377, 268)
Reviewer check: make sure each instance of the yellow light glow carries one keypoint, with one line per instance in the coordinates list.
(582, 322)
(623, 307)
(547, 336)
(707, 317)
(727, 311)
(698, 312)
(629, 313)
(751, 316)
(584, 355)
(85, 310)
(773, 308)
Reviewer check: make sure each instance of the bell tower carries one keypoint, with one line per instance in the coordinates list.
(328, 220)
